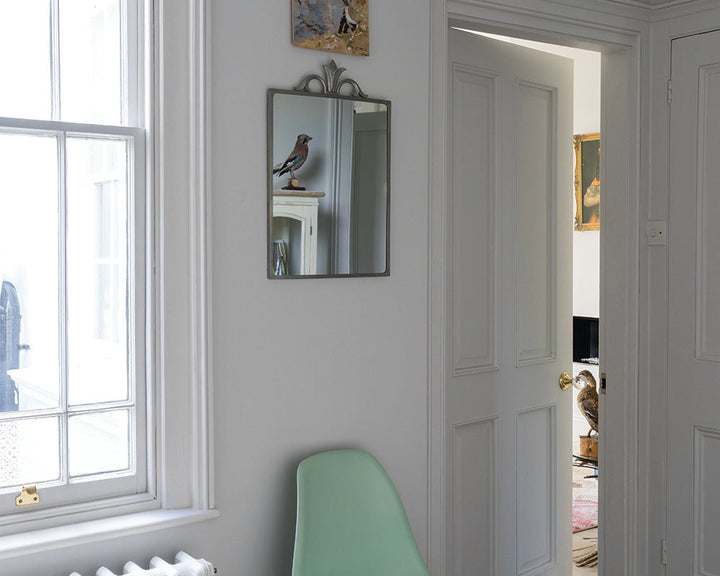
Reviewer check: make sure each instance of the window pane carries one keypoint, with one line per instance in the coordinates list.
(97, 270)
(25, 58)
(29, 451)
(90, 61)
(99, 443)
(29, 309)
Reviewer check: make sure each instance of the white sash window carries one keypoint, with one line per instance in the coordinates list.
(73, 253)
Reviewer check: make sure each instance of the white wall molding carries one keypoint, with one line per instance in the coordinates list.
(600, 15)
(681, 8)
(437, 291)
(182, 255)
(200, 256)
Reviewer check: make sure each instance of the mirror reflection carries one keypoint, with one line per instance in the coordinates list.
(329, 185)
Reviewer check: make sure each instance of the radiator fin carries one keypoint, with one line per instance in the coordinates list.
(185, 565)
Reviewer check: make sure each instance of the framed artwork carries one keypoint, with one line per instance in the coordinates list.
(587, 181)
(332, 25)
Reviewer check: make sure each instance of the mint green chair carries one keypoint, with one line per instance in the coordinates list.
(350, 520)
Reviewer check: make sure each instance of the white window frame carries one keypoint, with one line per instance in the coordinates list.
(180, 468)
(64, 491)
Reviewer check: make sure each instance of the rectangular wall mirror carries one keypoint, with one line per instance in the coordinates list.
(329, 185)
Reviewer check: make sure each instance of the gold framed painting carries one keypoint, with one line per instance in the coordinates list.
(587, 181)
(332, 25)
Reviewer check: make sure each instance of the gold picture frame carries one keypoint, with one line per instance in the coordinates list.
(587, 181)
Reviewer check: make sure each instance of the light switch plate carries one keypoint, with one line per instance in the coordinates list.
(657, 233)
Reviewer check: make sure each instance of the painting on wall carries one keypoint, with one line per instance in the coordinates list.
(332, 25)
(587, 181)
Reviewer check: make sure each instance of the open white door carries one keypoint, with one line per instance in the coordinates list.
(693, 414)
(509, 287)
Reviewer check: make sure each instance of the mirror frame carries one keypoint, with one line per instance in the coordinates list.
(330, 89)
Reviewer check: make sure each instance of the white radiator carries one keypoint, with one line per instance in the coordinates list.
(185, 565)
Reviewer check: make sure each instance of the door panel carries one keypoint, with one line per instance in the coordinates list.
(693, 512)
(536, 168)
(475, 248)
(475, 457)
(536, 471)
(708, 313)
(509, 297)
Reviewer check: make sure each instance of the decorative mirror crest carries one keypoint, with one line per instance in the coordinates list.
(331, 84)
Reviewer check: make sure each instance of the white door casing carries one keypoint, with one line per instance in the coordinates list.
(693, 415)
(624, 485)
(508, 445)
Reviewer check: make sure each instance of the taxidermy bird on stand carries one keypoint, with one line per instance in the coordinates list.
(297, 158)
(587, 399)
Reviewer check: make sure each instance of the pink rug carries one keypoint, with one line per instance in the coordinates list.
(585, 514)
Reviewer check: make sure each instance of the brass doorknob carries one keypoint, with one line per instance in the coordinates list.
(565, 380)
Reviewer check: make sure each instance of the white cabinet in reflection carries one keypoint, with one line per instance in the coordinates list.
(295, 216)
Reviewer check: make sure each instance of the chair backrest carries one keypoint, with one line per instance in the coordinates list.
(350, 520)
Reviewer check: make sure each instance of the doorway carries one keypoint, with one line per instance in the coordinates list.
(586, 298)
(585, 190)
(620, 173)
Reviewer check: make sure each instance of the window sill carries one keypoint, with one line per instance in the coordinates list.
(85, 533)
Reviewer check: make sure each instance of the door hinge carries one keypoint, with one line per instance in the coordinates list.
(603, 383)
(669, 92)
(664, 552)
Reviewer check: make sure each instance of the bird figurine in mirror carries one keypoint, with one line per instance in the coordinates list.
(587, 399)
(294, 161)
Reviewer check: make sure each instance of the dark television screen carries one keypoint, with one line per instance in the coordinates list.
(585, 339)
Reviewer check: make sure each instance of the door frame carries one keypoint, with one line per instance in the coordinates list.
(617, 32)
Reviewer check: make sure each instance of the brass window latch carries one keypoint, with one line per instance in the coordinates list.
(28, 496)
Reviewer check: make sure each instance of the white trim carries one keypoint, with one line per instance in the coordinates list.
(155, 175)
(437, 298)
(183, 316)
(71, 128)
(681, 8)
(86, 533)
(595, 13)
(55, 111)
(74, 513)
(608, 25)
(657, 6)
(200, 214)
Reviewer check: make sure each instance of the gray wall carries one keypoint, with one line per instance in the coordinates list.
(299, 366)
(302, 366)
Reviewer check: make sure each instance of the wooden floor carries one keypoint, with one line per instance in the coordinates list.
(580, 540)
